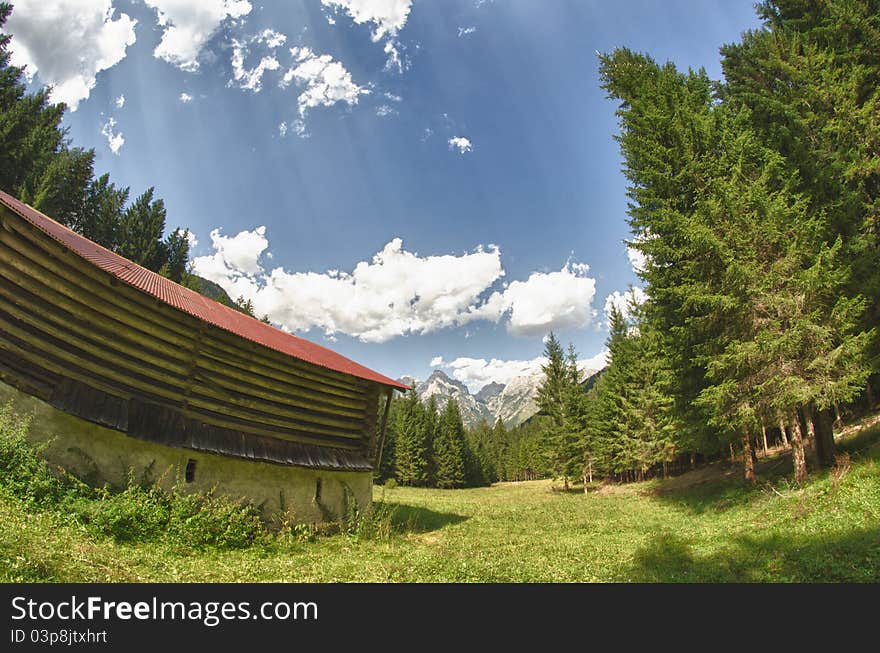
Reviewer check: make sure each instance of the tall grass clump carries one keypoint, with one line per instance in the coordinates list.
(24, 475)
(138, 513)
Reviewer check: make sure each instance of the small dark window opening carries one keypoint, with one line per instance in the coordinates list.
(318, 490)
(190, 470)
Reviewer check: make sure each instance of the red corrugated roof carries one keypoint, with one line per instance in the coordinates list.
(193, 303)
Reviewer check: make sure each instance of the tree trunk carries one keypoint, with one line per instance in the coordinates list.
(810, 447)
(782, 431)
(798, 455)
(870, 394)
(806, 426)
(764, 434)
(823, 428)
(837, 420)
(748, 458)
(732, 454)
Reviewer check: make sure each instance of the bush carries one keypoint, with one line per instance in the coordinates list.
(204, 520)
(23, 472)
(148, 513)
(136, 514)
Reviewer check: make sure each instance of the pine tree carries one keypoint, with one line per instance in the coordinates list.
(62, 188)
(669, 136)
(555, 399)
(450, 449)
(499, 446)
(177, 255)
(411, 451)
(141, 229)
(104, 206)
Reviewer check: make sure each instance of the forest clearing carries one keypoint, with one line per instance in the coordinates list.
(705, 525)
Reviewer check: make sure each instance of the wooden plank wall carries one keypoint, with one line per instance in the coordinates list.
(90, 344)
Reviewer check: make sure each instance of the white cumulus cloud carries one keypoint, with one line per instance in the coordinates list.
(236, 255)
(461, 144)
(115, 140)
(68, 43)
(323, 80)
(188, 25)
(120, 102)
(185, 97)
(466, 31)
(437, 361)
(397, 292)
(387, 17)
(546, 301)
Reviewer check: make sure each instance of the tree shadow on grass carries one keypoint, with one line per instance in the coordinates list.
(848, 557)
(416, 519)
(720, 491)
(714, 495)
(865, 443)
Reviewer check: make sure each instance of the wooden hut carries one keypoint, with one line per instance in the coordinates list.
(128, 371)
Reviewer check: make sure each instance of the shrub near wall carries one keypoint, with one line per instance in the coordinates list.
(137, 514)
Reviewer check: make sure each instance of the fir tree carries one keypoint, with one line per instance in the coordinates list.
(450, 448)
(555, 399)
(411, 451)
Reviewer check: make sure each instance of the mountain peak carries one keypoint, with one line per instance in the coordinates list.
(440, 383)
(488, 391)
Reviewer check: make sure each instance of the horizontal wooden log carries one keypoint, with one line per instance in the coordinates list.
(59, 275)
(30, 291)
(14, 283)
(129, 344)
(120, 360)
(54, 357)
(67, 281)
(61, 323)
(25, 237)
(96, 338)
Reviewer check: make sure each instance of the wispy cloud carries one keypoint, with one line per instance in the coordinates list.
(115, 140)
(252, 78)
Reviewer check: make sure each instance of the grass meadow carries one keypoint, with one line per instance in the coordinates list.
(706, 525)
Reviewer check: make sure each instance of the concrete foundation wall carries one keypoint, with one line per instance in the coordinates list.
(99, 455)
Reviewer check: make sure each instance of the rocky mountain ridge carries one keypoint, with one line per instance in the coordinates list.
(513, 403)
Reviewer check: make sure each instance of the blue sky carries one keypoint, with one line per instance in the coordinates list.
(450, 163)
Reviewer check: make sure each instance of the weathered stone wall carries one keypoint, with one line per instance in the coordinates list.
(100, 455)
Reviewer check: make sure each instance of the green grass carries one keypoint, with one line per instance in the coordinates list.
(706, 526)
